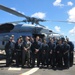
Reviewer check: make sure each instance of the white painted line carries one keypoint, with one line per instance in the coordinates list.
(14, 68)
(74, 62)
(2, 61)
(74, 56)
(30, 71)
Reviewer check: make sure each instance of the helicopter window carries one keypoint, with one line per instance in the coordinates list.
(6, 27)
(50, 30)
(3, 42)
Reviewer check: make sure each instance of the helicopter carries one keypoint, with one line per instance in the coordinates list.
(15, 28)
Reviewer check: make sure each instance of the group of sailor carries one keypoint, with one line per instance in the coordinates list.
(54, 53)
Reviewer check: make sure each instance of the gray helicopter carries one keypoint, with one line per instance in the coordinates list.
(15, 28)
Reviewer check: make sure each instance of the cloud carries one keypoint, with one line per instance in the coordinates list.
(57, 28)
(58, 3)
(71, 14)
(69, 3)
(72, 31)
(39, 15)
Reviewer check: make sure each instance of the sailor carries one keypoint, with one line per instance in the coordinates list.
(9, 48)
(13, 41)
(52, 59)
(35, 48)
(58, 50)
(71, 52)
(44, 51)
(18, 48)
(26, 52)
(66, 49)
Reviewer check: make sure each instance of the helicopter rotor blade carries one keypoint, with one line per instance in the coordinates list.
(67, 21)
(14, 22)
(61, 21)
(12, 11)
(29, 19)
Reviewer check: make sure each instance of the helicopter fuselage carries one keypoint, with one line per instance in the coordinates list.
(20, 30)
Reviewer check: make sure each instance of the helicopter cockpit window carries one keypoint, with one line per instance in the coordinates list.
(6, 27)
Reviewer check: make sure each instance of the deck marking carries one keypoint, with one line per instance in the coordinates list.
(30, 71)
(14, 68)
(2, 61)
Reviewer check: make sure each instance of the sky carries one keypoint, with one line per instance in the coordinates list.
(53, 10)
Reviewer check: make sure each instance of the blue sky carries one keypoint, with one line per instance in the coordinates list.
(59, 10)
